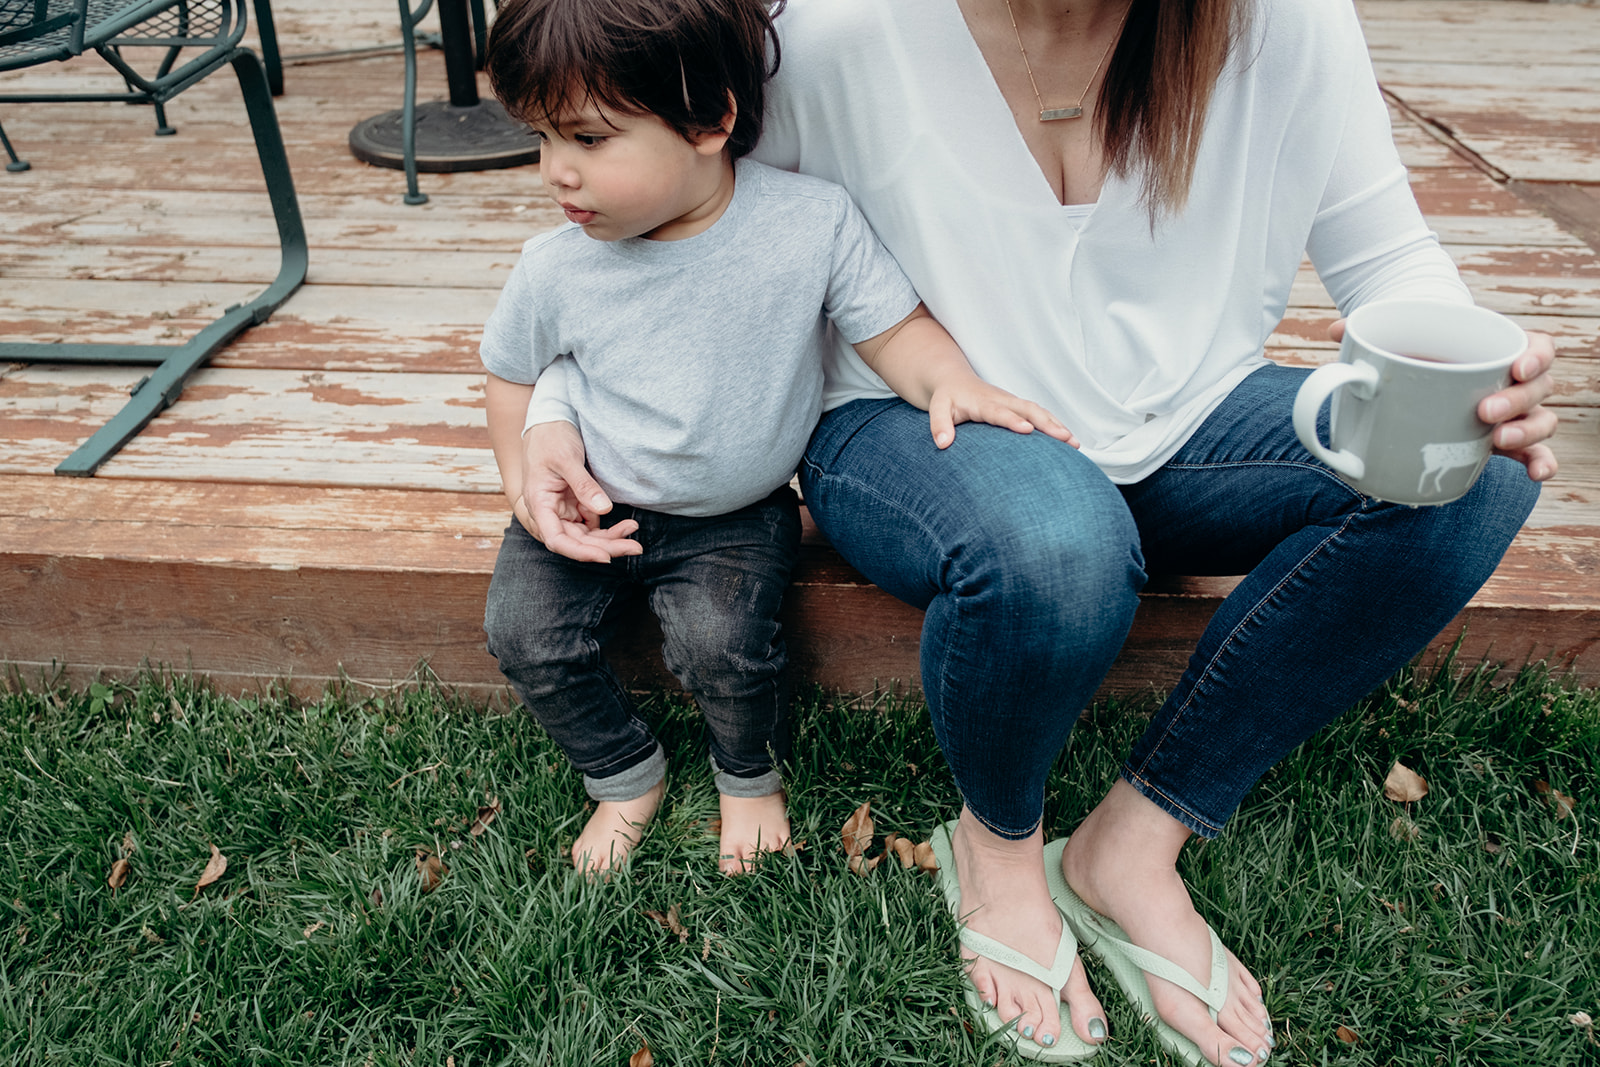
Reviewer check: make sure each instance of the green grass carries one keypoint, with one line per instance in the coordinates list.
(1431, 947)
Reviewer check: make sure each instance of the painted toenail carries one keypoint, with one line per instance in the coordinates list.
(1027, 1031)
(989, 1004)
(1262, 1054)
(1240, 1056)
(1047, 1040)
(1271, 1041)
(1097, 1028)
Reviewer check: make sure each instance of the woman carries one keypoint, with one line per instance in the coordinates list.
(1106, 202)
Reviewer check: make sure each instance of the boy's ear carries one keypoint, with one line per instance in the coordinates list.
(712, 143)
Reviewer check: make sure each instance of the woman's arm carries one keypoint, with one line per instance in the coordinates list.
(1369, 241)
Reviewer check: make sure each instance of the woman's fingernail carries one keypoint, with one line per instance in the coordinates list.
(1027, 1031)
(1097, 1028)
(1240, 1056)
(1496, 408)
(1511, 437)
(1047, 1040)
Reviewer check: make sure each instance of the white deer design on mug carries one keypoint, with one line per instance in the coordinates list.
(1437, 460)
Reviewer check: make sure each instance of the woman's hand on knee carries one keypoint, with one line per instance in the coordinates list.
(561, 503)
(1522, 424)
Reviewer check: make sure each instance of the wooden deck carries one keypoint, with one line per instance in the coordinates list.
(321, 502)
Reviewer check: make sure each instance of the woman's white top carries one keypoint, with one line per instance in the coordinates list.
(1130, 338)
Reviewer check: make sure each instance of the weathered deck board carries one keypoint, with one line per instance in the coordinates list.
(321, 501)
(1520, 88)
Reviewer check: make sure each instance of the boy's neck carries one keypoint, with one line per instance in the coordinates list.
(711, 199)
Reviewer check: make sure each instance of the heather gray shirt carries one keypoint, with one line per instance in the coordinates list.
(695, 366)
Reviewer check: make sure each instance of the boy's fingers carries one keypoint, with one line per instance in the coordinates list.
(941, 420)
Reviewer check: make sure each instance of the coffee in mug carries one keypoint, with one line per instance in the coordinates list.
(1404, 425)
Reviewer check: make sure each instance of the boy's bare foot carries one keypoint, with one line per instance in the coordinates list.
(613, 830)
(1004, 896)
(751, 825)
(1122, 862)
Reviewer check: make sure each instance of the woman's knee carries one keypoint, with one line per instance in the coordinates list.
(1078, 564)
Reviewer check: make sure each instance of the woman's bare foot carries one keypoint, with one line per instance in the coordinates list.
(613, 830)
(1122, 862)
(1004, 896)
(751, 825)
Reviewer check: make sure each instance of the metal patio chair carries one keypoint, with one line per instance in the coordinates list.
(188, 40)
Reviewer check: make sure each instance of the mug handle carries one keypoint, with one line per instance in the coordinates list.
(1314, 392)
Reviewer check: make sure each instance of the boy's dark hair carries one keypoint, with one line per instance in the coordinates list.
(676, 59)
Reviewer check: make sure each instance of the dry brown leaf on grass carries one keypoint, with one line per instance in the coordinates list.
(670, 922)
(313, 928)
(642, 1058)
(924, 856)
(485, 817)
(1403, 829)
(1491, 844)
(906, 851)
(121, 868)
(1404, 785)
(861, 864)
(431, 868)
(1347, 1035)
(1558, 800)
(858, 830)
(216, 866)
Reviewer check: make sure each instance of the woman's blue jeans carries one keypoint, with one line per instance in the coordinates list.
(1029, 561)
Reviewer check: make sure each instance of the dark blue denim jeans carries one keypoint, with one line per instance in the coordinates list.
(1028, 561)
(715, 584)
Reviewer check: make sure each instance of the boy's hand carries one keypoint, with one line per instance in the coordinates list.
(971, 399)
(561, 503)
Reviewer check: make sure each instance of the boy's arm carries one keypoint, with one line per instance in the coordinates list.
(919, 360)
(541, 475)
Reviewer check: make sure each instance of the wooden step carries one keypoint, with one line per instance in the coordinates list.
(251, 583)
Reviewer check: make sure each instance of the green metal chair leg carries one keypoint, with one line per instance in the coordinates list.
(157, 392)
(15, 164)
(408, 121)
(269, 45)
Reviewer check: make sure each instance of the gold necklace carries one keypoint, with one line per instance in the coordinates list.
(1051, 114)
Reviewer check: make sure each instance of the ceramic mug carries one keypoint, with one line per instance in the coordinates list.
(1405, 392)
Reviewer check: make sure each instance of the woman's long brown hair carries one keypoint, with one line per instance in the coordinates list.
(1153, 102)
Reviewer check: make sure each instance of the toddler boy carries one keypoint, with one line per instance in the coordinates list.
(684, 310)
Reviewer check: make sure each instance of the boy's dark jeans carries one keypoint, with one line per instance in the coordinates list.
(714, 583)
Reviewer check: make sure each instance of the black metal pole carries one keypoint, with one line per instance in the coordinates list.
(455, 28)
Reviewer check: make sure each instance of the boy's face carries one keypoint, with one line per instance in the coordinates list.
(632, 175)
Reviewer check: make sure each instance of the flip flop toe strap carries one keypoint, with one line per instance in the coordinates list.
(1213, 996)
(1055, 976)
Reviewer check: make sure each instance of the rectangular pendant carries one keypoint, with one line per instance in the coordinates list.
(1050, 114)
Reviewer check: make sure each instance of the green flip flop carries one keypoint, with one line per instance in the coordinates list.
(1128, 963)
(1069, 1047)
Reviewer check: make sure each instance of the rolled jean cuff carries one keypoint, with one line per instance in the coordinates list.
(631, 783)
(1188, 818)
(763, 784)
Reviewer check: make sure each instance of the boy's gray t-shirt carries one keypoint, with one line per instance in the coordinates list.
(695, 368)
